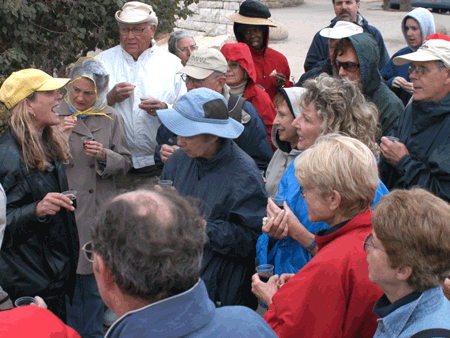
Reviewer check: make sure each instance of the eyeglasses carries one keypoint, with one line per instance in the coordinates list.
(348, 66)
(88, 250)
(420, 70)
(233, 64)
(369, 242)
(188, 49)
(136, 31)
(196, 82)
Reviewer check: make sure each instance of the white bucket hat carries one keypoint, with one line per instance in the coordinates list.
(135, 12)
(432, 50)
(342, 29)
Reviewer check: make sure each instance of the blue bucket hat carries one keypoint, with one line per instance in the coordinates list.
(201, 111)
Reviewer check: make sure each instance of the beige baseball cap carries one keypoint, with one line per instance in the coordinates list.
(432, 50)
(19, 85)
(203, 62)
(135, 12)
(342, 29)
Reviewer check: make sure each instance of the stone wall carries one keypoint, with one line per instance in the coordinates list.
(210, 16)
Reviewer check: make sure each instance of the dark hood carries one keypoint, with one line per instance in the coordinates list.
(240, 53)
(239, 33)
(369, 57)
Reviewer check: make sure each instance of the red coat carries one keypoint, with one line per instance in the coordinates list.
(240, 53)
(332, 295)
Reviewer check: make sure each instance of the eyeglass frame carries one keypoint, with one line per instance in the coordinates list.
(366, 243)
(233, 65)
(185, 50)
(186, 77)
(348, 66)
(133, 30)
(88, 251)
(423, 70)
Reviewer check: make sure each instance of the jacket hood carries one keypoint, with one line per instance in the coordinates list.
(369, 57)
(238, 29)
(240, 53)
(293, 97)
(426, 23)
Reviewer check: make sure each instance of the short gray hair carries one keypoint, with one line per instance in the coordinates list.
(152, 242)
(172, 44)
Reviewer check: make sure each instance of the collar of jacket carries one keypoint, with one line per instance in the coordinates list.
(428, 113)
(361, 220)
(220, 158)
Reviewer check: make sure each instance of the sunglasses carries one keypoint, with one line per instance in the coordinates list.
(348, 66)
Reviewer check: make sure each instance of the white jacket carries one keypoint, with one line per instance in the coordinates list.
(154, 74)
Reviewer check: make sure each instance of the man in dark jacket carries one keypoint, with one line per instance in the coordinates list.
(421, 156)
(211, 167)
(356, 58)
(206, 68)
(346, 10)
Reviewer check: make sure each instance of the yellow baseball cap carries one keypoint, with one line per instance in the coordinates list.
(19, 85)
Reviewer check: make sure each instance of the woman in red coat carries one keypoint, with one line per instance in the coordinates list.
(241, 78)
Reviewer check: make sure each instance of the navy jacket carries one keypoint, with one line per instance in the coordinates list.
(391, 71)
(321, 67)
(253, 139)
(235, 202)
(190, 314)
(418, 128)
(318, 51)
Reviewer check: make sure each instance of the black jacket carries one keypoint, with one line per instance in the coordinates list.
(418, 128)
(318, 51)
(36, 257)
(235, 202)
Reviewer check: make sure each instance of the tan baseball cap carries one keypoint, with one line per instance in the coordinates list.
(135, 12)
(432, 50)
(342, 29)
(203, 62)
(19, 85)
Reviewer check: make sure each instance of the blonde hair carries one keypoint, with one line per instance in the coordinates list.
(343, 109)
(37, 150)
(413, 227)
(341, 163)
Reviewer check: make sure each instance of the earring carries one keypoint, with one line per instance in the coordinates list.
(32, 115)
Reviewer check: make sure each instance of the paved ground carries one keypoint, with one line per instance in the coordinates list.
(305, 20)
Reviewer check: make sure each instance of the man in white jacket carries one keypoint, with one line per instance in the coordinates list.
(143, 79)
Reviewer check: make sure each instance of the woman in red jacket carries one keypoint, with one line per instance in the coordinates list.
(241, 78)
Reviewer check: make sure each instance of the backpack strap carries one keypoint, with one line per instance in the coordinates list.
(432, 333)
(235, 104)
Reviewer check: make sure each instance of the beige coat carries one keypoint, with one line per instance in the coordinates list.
(94, 182)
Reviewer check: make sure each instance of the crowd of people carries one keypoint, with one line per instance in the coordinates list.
(139, 185)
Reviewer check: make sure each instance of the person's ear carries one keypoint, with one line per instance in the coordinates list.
(404, 272)
(447, 78)
(221, 80)
(335, 200)
(106, 277)
(152, 30)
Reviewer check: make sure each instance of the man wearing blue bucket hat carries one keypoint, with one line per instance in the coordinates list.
(211, 167)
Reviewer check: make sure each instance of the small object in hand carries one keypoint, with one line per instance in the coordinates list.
(72, 194)
(23, 301)
(278, 200)
(265, 220)
(392, 138)
(274, 73)
(86, 139)
(264, 272)
(165, 182)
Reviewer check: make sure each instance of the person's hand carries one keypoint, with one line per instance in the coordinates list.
(408, 86)
(280, 80)
(166, 151)
(393, 151)
(151, 105)
(66, 126)
(52, 203)
(284, 278)
(264, 291)
(399, 82)
(95, 149)
(120, 92)
(40, 302)
(446, 288)
(276, 225)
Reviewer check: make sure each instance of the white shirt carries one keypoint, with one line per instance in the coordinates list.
(154, 74)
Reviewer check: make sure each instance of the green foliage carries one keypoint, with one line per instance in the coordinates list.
(52, 34)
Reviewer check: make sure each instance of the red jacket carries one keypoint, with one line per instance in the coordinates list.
(240, 53)
(332, 295)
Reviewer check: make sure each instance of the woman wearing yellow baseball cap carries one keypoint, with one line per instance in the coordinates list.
(40, 247)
